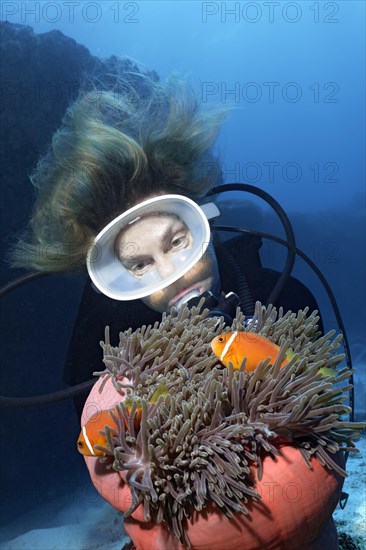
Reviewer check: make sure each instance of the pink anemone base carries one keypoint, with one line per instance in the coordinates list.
(295, 510)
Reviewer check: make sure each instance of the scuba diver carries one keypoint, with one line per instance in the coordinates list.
(127, 190)
(124, 191)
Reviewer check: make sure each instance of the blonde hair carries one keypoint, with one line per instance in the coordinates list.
(111, 151)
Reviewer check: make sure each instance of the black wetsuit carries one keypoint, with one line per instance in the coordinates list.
(239, 266)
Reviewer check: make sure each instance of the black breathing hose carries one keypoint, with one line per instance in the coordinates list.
(327, 288)
(20, 281)
(46, 398)
(247, 302)
(290, 236)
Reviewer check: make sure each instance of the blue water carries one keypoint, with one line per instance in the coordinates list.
(293, 73)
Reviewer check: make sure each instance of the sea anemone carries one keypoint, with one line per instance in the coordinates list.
(196, 448)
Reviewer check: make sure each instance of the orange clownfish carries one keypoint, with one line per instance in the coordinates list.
(232, 347)
(90, 435)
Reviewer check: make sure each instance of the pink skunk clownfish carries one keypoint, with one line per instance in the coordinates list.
(92, 432)
(232, 347)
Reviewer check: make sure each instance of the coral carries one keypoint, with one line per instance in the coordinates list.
(197, 445)
(346, 542)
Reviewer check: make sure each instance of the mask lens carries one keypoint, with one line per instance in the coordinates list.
(148, 248)
(152, 276)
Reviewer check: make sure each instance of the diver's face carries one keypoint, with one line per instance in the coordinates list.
(153, 244)
(157, 242)
(203, 276)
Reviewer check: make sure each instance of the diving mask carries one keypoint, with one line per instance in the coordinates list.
(126, 271)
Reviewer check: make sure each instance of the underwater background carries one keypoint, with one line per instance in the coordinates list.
(294, 75)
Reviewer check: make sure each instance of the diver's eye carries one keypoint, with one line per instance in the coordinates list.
(180, 241)
(140, 268)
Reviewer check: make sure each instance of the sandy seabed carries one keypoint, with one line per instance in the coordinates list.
(98, 526)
